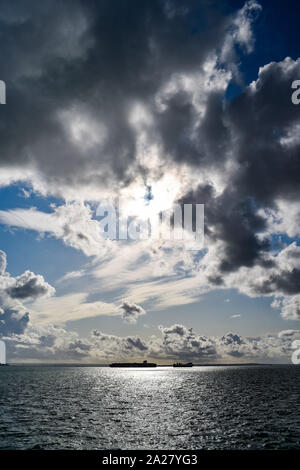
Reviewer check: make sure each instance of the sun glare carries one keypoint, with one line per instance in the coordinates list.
(144, 201)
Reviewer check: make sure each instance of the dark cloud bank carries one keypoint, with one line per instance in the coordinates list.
(74, 70)
(96, 59)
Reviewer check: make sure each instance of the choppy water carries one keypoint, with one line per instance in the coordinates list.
(166, 408)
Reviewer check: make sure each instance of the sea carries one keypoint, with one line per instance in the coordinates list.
(236, 407)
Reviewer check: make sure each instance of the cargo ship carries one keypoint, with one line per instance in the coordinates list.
(180, 364)
(133, 364)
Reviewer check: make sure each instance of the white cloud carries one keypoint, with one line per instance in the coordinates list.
(69, 307)
(289, 306)
(72, 223)
(130, 312)
(13, 292)
(285, 219)
(52, 343)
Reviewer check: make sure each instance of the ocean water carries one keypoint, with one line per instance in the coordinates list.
(163, 408)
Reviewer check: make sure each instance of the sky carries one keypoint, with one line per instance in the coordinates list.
(156, 104)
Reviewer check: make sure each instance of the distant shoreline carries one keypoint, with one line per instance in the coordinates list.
(250, 364)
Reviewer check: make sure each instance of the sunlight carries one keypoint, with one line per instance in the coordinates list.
(147, 201)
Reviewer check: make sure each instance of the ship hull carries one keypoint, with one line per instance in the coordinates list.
(134, 364)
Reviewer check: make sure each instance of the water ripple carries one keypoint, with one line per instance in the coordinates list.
(103, 408)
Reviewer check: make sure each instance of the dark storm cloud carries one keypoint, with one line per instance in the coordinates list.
(261, 126)
(93, 60)
(201, 145)
(176, 125)
(29, 285)
(261, 118)
(70, 93)
(234, 221)
(286, 282)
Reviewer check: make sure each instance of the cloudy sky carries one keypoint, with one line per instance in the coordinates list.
(154, 103)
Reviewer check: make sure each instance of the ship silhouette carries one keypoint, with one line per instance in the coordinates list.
(133, 364)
